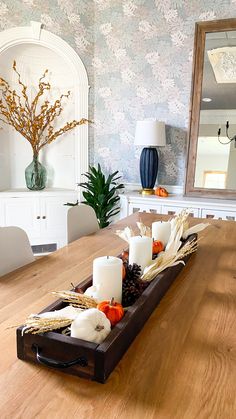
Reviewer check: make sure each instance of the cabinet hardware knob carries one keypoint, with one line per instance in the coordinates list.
(43, 217)
(38, 217)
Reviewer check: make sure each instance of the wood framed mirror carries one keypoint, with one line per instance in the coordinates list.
(211, 157)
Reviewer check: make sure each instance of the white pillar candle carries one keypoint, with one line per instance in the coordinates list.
(140, 251)
(107, 277)
(161, 231)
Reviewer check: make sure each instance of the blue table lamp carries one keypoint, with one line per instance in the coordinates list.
(150, 134)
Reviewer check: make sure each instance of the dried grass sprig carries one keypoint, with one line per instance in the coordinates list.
(76, 299)
(34, 121)
(167, 259)
(36, 324)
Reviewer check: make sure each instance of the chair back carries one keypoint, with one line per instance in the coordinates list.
(15, 249)
(81, 221)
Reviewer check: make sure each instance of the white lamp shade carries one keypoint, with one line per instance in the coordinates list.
(150, 133)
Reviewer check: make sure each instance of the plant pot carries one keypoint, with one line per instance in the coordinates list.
(35, 175)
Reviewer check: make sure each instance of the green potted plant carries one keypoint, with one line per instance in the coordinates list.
(101, 193)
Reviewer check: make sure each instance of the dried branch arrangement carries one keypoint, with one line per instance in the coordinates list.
(168, 259)
(33, 119)
(174, 251)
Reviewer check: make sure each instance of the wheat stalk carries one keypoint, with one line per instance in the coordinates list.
(36, 324)
(76, 299)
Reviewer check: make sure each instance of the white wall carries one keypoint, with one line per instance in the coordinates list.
(209, 163)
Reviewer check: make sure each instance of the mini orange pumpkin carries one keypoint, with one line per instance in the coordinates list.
(161, 192)
(157, 247)
(114, 311)
(125, 255)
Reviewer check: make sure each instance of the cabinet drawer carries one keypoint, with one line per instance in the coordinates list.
(155, 209)
(172, 210)
(219, 214)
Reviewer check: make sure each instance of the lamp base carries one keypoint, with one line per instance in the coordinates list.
(148, 169)
(147, 191)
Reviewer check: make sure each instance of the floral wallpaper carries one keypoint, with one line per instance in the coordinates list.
(143, 67)
(138, 54)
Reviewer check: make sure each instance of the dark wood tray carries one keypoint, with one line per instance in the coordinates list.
(90, 360)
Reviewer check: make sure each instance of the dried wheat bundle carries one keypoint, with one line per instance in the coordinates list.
(168, 259)
(76, 299)
(36, 324)
(49, 320)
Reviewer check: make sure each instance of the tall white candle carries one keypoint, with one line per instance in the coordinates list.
(140, 251)
(107, 277)
(161, 231)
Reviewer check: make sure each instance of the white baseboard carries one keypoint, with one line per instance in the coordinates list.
(175, 189)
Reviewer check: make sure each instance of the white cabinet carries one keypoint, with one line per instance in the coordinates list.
(132, 202)
(43, 215)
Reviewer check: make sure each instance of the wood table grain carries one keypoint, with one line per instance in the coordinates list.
(182, 365)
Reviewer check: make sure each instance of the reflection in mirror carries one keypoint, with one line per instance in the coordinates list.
(216, 154)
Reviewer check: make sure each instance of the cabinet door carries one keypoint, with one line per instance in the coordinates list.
(54, 216)
(219, 214)
(23, 213)
(172, 210)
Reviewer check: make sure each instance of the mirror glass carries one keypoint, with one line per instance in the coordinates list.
(216, 155)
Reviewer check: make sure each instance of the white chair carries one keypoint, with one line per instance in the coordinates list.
(15, 249)
(81, 221)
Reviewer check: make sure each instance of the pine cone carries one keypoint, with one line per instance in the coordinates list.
(132, 271)
(133, 287)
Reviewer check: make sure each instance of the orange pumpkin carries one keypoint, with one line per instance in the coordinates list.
(161, 192)
(125, 255)
(157, 247)
(114, 311)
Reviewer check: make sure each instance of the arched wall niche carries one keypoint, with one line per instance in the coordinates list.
(34, 50)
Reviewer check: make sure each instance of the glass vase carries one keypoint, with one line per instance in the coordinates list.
(35, 175)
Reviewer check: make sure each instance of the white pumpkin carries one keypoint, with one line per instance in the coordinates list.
(93, 292)
(91, 325)
(67, 312)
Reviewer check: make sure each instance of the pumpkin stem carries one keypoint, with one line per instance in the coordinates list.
(99, 327)
(112, 301)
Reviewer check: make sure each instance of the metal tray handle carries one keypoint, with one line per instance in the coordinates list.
(82, 361)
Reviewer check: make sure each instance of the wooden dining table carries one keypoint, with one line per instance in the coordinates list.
(182, 365)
